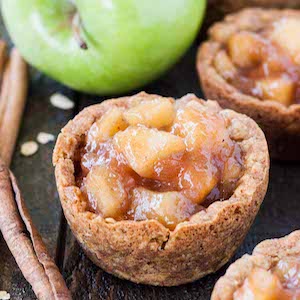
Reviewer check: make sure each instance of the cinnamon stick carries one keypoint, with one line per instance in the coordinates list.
(25, 243)
(3, 53)
(20, 234)
(12, 99)
(4, 72)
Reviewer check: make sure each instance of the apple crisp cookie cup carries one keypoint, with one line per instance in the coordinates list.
(147, 251)
(279, 121)
(267, 256)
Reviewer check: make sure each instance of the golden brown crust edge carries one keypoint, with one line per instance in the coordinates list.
(147, 252)
(265, 255)
(281, 124)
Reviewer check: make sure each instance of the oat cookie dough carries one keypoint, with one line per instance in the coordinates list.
(159, 191)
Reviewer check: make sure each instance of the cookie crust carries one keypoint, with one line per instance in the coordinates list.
(265, 255)
(146, 251)
(281, 124)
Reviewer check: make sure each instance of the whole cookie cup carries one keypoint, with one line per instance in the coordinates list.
(163, 217)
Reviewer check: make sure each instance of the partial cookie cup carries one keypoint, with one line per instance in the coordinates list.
(265, 255)
(146, 251)
(281, 124)
(229, 6)
(217, 9)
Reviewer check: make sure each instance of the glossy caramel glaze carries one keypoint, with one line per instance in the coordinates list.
(166, 164)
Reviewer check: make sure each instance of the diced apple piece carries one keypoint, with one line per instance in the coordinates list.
(169, 208)
(88, 160)
(260, 285)
(144, 148)
(280, 89)
(231, 173)
(106, 192)
(106, 127)
(245, 49)
(221, 32)
(274, 64)
(157, 113)
(264, 285)
(207, 139)
(286, 34)
(224, 65)
(199, 127)
(189, 124)
(197, 181)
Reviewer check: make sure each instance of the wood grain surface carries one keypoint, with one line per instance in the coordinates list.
(279, 214)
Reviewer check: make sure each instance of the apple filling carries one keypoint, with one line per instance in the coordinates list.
(158, 160)
(264, 64)
(282, 282)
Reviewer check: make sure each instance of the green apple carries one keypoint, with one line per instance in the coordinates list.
(103, 46)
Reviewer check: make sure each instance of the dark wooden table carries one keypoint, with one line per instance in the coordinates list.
(278, 216)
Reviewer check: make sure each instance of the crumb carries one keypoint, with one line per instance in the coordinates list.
(45, 138)
(61, 101)
(110, 220)
(4, 295)
(29, 148)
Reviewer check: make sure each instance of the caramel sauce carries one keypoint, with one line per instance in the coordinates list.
(179, 185)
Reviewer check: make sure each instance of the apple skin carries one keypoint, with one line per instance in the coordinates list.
(130, 42)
